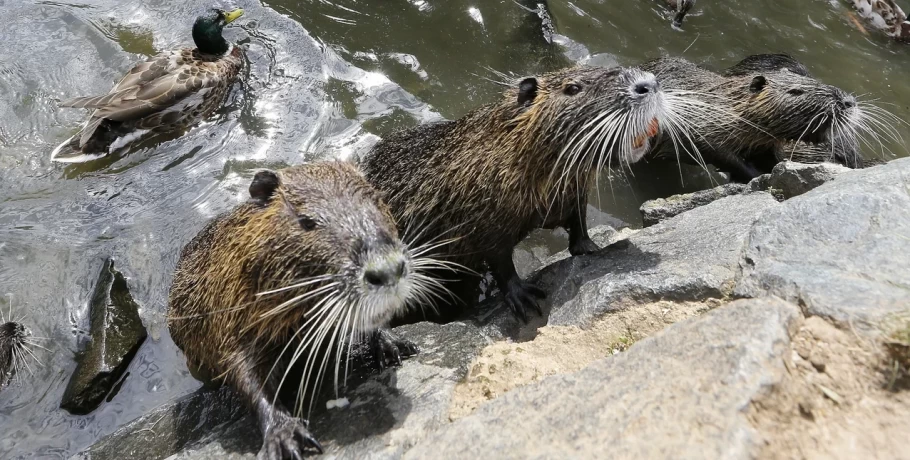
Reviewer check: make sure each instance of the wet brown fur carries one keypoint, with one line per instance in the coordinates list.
(215, 315)
(762, 117)
(489, 178)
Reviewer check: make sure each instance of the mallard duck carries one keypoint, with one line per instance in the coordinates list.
(885, 15)
(682, 8)
(170, 91)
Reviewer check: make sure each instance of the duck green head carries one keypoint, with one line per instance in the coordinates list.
(207, 30)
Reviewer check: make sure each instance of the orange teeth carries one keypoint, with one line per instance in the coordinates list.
(653, 129)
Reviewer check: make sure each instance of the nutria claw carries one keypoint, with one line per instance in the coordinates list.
(288, 439)
(520, 296)
(388, 348)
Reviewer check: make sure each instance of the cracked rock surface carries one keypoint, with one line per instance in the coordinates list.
(723, 322)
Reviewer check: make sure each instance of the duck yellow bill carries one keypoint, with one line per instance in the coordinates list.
(231, 16)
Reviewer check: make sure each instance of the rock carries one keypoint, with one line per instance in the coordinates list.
(760, 184)
(535, 252)
(692, 256)
(529, 260)
(840, 250)
(679, 394)
(389, 412)
(116, 334)
(793, 179)
(654, 211)
(170, 428)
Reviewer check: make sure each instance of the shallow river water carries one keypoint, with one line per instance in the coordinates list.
(324, 79)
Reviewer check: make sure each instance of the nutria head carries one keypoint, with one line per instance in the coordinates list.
(586, 118)
(14, 348)
(322, 224)
(776, 93)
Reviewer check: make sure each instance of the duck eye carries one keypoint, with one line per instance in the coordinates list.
(796, 92)
(572, 89)
(306, 223)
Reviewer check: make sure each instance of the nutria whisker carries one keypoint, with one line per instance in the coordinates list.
(310, 339)
(864, 125)
(301, 283)
(507, 79)
(33, 344)
(884, 118)
(676, 128)
(310, 365)
(298, 299)
(320, 308)
(808, 127)
(32, 354)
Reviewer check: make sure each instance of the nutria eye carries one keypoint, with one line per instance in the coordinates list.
(796, 92)
(572, 89)
(306, 223)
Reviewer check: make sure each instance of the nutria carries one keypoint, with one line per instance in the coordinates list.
(16, 343)
(486, 180)
(772, 100)
(312, 262)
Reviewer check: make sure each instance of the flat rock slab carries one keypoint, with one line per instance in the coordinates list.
(116, 334)
(680, 394)
(692, 256)
(842, 250)
(655, 211)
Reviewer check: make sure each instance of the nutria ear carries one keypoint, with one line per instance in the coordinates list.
(264, 185)
(527, 90)
(758, 84)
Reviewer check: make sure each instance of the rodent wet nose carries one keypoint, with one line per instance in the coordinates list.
(376, 278)
(645, 87)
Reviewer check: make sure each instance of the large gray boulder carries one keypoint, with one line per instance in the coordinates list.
(692, 256)
(679, 394)
(841, 251)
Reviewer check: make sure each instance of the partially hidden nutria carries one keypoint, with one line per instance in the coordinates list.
(16, 343)
(312, 262)
(486, 180)
(768, 100)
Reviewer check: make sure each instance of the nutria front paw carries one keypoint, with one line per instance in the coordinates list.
(583, 246)
(288, 439)
(390, 349)
(522, 296)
